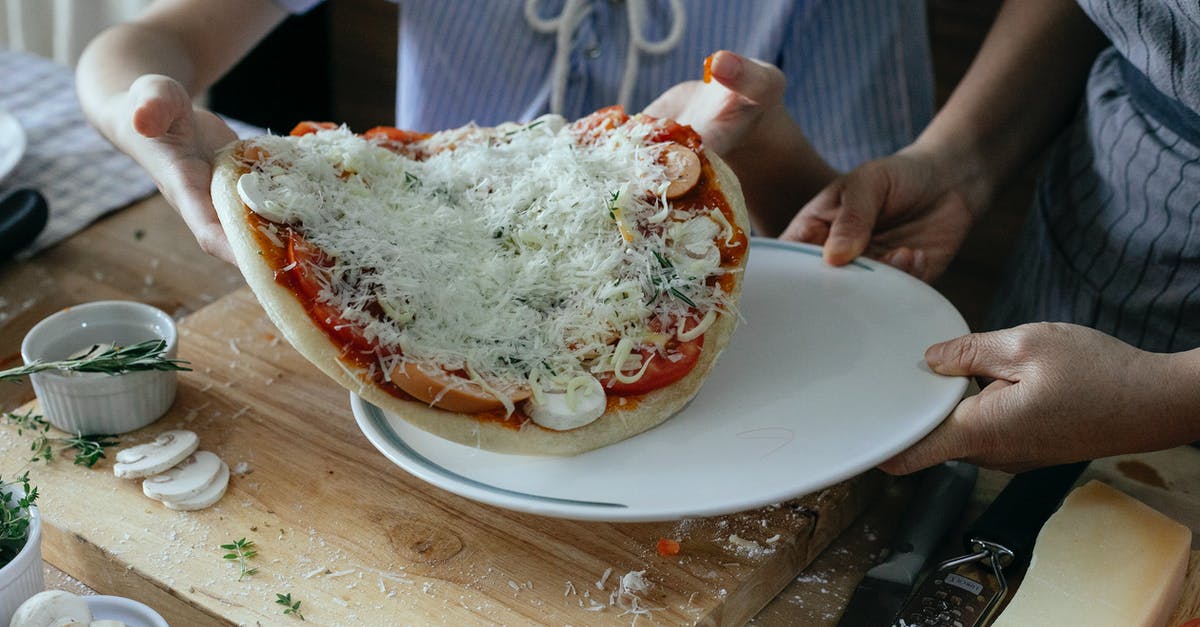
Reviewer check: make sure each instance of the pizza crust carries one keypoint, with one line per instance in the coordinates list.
(293, 321)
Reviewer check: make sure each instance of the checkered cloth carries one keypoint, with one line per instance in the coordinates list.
(81, 175)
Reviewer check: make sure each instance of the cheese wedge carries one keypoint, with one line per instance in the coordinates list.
(1104, 558)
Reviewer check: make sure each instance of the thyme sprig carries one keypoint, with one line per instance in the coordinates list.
(289, 607)
(14, 515)
(138, 357)
(89, 449)
(241, 551)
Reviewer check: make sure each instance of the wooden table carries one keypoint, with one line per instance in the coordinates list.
(145, 253)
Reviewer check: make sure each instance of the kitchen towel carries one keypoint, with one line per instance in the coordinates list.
(81, 175)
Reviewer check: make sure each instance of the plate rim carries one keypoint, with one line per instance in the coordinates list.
(374, 424)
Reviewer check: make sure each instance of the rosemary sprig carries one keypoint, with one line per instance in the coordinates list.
(146, 355)
(668, 272)
(241, 551)
(89, 449)
(288, 606)
(14, 516)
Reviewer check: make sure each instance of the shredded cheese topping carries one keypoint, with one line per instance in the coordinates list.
(542, 251)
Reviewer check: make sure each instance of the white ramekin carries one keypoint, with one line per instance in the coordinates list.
(92, 403)
(22, 577)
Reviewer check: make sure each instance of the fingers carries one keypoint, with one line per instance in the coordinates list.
(158, 101)
(756, 81)
(914, 262)
(863, 196)
(811, 224)
(994, 355)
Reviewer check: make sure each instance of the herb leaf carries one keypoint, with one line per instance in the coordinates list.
(146, 355)
(241, 551)
(289, 607)
(14, 515)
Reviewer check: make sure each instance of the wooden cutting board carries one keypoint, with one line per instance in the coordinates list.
(358, 541)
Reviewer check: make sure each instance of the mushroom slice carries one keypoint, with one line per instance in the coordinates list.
(52, 607)
(581, 403)
(168, 449)
(208, 496)
(185, 479)
(252, 188)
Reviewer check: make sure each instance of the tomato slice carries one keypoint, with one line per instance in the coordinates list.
(306, 127)
(661, 372)
(306, 261)
(607, 118)
(391, 133)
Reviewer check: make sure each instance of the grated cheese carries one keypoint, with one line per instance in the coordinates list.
(532, 251)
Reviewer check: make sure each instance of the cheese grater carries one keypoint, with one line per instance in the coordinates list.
(967, 591)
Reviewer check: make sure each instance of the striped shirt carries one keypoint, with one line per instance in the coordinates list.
(1113, 240)
(859, 78)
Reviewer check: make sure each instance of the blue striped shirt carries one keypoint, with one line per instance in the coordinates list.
(859, 74)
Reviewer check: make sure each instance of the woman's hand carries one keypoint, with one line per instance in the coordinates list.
(906, 210)
(1061, 393)
(740, 115)
(156, 124)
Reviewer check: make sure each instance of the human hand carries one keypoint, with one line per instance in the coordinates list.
(1061, 393)
(156, 124)
(906, 210)
(741, 117)
(726, 111)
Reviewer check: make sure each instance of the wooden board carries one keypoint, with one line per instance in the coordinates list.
(357, 540)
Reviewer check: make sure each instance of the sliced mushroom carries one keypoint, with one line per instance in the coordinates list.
(252, 188)
(568, 409)
(52, 607)
(185, 479)
(168, 449)
(210, 495)
(682, 168)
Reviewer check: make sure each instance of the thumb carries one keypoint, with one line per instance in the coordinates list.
(760, 83)
(977, 354)
(950, 440)
(158, 102)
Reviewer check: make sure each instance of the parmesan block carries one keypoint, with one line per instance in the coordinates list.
(1104, 558)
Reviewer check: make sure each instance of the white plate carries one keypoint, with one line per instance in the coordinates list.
(824, 379)
(12, 143)
(132, 613)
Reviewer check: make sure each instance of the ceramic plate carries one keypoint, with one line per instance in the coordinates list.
(824, 379)
(12, 143)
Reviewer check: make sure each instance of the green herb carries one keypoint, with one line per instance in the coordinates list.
(146, 355)
(288, 606)
(14, 515)
(242, 551)
(411, 181)
(89, 449)
(533, 124)
(668, 274)
(139, 234)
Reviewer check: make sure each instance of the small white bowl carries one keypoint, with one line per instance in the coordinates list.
(92, 403)
(22, 577)
(132, 613)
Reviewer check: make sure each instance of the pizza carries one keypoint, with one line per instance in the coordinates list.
(547, 287)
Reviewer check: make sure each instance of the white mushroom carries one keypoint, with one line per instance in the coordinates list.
(251, 187)
(210, 495)
(52, 607)
(185, 479)
(581, 403)
(143, 460)
(682, 169)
